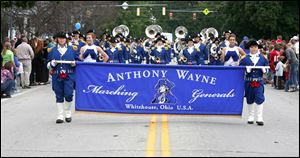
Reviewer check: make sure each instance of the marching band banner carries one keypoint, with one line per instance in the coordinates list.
(159, 89)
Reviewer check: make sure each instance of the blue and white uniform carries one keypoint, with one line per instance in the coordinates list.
(254, 85)
(161, 53)
(231, 57)
(115, 55)
(63, 86)
(90, 53)
(193, 56)
(203, 53)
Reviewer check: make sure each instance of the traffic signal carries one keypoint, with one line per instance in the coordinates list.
(171, 15)
(194, 16)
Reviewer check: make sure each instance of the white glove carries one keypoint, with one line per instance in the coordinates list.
(126, 62)
(205, 62)
(53, 63)
(48, 65)
(248, 70)
(73, 63)
(264, 70)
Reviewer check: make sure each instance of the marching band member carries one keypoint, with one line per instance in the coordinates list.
(214, 53)
(254, 82)
(104, 42)
(231, 54)
(77, 42)
(92, 53)
(159, 52)
(115, 53)
(136, 52)
(63, 76)
(226, 35)
(191, 55)
(203, 53)
(122, 47)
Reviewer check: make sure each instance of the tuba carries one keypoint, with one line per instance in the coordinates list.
(123, 29)
(152, 30)
(213, 51)
(179, 45)
(181, 32)
(133, 50)
(203, 34)
(213, 31)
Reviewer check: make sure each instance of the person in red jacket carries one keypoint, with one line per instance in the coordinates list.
(273, 61)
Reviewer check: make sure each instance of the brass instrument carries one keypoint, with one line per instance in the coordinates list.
(213, 51)
(157, 60)
(101, 58)
(123, 29)
(152, 30)
(181, 32)
(179, 44)
(213, 31)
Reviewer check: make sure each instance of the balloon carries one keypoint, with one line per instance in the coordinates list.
(77, 26)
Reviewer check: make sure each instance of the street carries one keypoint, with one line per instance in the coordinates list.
(28, 128)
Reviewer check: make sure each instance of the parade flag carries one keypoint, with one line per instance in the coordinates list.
(159, 89)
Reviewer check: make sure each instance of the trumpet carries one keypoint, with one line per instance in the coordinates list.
(183, 59)
(101, 58)
(157, 60)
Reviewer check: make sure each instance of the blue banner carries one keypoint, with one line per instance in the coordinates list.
(159, 89)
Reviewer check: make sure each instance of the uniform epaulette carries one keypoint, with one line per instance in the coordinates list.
(76, 43)
(70, 44)
(266, 57)
(83, 41)
(153, 48)
(49, 50)
(75, 48)
(127, 49)
(244, 56)
(119, 48)
(166, 48)
(198, 50)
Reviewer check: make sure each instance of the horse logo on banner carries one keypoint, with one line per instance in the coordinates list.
(164, 94)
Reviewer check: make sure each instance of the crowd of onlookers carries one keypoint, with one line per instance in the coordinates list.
(284, 63)
(23, 64)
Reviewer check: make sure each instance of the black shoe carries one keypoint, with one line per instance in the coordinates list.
(59, 121)
(260, 123)
(27, 87)
(250, 122)
(69, 119)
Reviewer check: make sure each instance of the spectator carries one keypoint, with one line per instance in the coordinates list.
(7, 80)
(25, 55)
(279, 73)
(294, 65)
(7, 54)
(19, 40)
(273, 61)
(295, 43)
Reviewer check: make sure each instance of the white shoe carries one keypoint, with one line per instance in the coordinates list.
(250, 113)
(260, 120)
(60, 110)
(68, 111)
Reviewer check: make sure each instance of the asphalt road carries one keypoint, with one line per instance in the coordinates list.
(28, 128)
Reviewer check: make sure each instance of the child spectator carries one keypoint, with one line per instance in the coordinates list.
(7, 80)
(279, 73)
